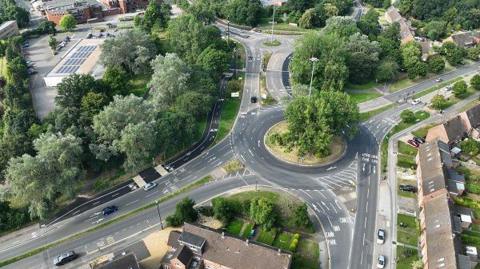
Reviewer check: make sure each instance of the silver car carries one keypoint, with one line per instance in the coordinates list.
(149, 186)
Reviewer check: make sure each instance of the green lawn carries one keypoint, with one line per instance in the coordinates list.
(234, 227)
(3, 67)
(406, 149)
(307, 255)
(410, 232)
(401, 84)
(437, 87)
(363, 96)
(405, 257)
(266, 236)
(283, 240)
(227, 118)
(366, 86)
(138, 84)
(266, 25)
(471, 238)
(406, 161)
(367, 115)
(246, 230)
(422, 132)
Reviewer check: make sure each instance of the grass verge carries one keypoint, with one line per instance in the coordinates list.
(227, 117)
(35, 251)
(367, 115)
(405, 257)
(363, 95)
(307, 255)
(436, 87)
(407, 230)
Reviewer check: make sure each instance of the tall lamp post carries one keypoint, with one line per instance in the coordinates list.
(313, 60)
(159, 216)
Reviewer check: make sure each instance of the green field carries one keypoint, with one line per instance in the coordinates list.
(227, 118)
(409, 233)
(363, 96)
(266, 236)
(366, 86)
(406, 149)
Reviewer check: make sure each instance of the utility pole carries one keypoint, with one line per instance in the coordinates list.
(273, 20)
(313, 60)
(159, 216)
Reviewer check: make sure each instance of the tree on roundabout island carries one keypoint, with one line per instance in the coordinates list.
(314, 121)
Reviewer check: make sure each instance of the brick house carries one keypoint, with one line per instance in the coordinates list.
(406, 31)
(202, 247)
(450, 132)
(471, 119)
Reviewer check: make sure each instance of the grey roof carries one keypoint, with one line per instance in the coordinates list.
(473, 115)
(191, 239)
(128, 261)
(455, 129)
(173, 239)
(183, 254)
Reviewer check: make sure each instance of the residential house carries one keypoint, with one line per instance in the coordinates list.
(202, 247)
(450, 132)
(465, 39)
(406, 32)
(471, 119)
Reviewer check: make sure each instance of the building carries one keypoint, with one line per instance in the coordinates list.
(406, 32)
(126, 6)
(8, 29)
(441, 222)
(81, 59)
(471, 119)
(127, 261)
(201, 247)
(450, 132)
(465, 39)
(82, 10)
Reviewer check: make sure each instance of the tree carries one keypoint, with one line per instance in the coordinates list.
(307, 20)
(460, 89)
(263, 212)
(246, 12)
(92, 103)
(213, 61)
(411, 55)
(417, 264)
(300, 216)
(184, 212)
(194, 103)
(203, 10)
(369, 24)
(117, 80)
(54, 170)
(470, 146)
(436, 64)
(363, 57)
(47, 27)
(68, 22)
(52, 43)
(72, 89)
(169, 79)
(435, 30)
(473, 53)
(408, 116)
(475, 82)
(386, 71)
(139, 143)
(156, 15)
(439, 102)
(342, 26)
(136, 48)
(223, 209)
(452, 53)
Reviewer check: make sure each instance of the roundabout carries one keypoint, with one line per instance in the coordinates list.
(337, 149)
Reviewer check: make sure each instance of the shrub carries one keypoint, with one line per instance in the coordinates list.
(293, 245)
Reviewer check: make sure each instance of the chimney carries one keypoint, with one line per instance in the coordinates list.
(223, 235)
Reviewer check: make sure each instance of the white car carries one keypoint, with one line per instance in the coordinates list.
(149, 186)
(380, 236)
(415, 102)
(381, 261)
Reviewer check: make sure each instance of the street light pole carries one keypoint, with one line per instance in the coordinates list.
(273, 20)
(313, 60)
(159, 216)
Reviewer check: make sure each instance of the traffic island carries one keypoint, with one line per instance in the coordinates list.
(337, 149)
(272, 43)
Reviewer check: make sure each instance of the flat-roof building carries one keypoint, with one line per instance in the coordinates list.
(81, 59)
(8, 29)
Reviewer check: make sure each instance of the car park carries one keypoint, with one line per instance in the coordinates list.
(109, 210)
(65, 258)
(380, 236)
(408, 188)
(381, 261)
(149, 186)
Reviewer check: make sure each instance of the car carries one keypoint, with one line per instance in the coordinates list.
(65, 258)
(90, 35)
(413, 143)
(380, 236)
(132, 186)
(438, 80)
(31, 71)
(109, 210)
(253, 99)
(415, 102)
(381, 261)
(448, 88)
(149, 186)
(66, 39)
(408, 188)
(100, 35)
(419, 140)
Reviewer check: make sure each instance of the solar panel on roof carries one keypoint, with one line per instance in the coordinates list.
(72, 64)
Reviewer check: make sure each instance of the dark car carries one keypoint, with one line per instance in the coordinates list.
(419, 140)
(253, 99)
(109, 210)
(413, 143)
(65, 258)
(408, 188)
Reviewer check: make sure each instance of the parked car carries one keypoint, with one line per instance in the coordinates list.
(253, 99)
(380, 236)
(90, 35)
(381, 261)
(65, 258)
(109, 210)
(31, 71)
(132, 186)
(413, 143)
(408, 188)
(66, 39)
(419, 140)
(149, 186)
(415, 102)
(438, 80)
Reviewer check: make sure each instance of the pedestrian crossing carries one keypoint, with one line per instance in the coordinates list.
(345, 178)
